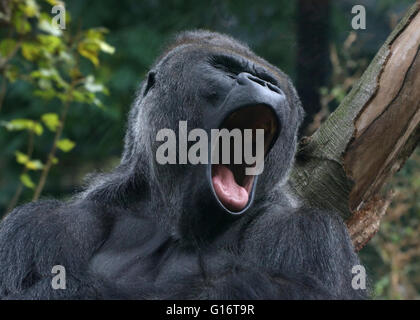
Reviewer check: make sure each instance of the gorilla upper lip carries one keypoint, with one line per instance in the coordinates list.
(232, 186)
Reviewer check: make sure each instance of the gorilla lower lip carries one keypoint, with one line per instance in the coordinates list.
(230, 193)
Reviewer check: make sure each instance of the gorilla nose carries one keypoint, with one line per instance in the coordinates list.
(244, 78)
(251, 89)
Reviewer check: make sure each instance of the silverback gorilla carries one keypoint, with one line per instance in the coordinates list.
(187, 231)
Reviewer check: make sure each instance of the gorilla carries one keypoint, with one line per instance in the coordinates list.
(187, 231)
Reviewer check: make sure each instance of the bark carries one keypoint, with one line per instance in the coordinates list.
(346, 162)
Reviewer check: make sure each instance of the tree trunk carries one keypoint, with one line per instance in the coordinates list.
(344, 165)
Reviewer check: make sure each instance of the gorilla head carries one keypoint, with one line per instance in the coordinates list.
(211, 81)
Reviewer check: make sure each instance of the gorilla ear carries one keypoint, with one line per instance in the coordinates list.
(150, 81)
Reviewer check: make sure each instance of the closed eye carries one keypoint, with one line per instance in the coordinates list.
(228, 64)
(232, 66)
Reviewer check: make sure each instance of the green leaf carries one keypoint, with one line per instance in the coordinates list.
(21, 157)
(89, 51)
(67, 58)
(45, 84)
(46, 26)
(105, 47)
(21, 23)
(38, 129)
(50, 42)
(42, 73)
(27, 181)
(65, 145)
(51, 120)
(30, 51)
(53, 2)
(92, 43)
(45, 94)
(24, 124)
(79, 96)
(7, 46)
(30, 8)
(93, 86)
(48, 75)
(12, 73)
(30, 164)
(97, 102)
(34, 165)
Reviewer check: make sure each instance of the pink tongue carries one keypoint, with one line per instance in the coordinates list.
(232, 195)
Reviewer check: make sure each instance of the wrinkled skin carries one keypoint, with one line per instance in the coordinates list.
(150, 231)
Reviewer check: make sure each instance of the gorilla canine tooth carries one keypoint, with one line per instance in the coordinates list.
(166, 153)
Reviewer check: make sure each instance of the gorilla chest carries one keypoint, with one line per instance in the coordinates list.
(141, 260)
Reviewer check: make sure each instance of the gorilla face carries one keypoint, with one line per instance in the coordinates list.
(213, 82)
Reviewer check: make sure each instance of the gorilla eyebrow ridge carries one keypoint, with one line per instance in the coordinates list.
(236, 66)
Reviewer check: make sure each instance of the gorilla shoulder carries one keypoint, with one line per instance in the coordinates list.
(37, 236)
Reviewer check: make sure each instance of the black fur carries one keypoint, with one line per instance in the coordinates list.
(149, 231)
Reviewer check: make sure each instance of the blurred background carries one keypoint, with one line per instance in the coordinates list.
(65, 94)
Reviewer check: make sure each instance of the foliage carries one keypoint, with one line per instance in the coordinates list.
(396, 247)
(36, 51)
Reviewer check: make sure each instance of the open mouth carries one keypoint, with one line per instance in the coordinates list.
(232, 186)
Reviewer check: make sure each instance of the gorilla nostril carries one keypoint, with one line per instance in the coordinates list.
(274, 88)
(244, 78)
(257, 80)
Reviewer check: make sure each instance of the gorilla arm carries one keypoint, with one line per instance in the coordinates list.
(39, 235)
(284, 254)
